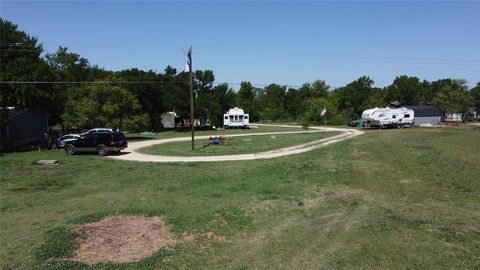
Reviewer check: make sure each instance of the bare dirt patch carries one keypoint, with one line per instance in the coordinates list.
(121, 239)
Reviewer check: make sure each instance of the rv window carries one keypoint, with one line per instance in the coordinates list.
(246, 117)
(394, 116)
(406, 115)
(226, 117)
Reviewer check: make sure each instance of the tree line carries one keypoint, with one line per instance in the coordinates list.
(77, 94)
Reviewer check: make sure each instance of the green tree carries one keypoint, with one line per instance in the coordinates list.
(294, 103)
(273, 103)
(351, 99)
(150, 94)
(223, 99)
(104, 105)
(21, 61)
(451, 96)
(475, 97)
(407, 90)
(245, 97)
(313, 113)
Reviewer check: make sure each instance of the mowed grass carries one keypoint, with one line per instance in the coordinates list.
(209, 132)
(235, 145)
(389, 199)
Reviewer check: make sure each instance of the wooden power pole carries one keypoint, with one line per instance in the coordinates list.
(192, 117)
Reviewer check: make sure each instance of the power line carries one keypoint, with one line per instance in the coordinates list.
(140, 82)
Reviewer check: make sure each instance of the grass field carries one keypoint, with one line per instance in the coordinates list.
(389, 199)
(235, 145)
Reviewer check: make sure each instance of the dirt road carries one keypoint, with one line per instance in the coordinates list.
(132, 151)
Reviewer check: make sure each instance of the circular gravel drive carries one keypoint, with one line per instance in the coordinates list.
(134, 155)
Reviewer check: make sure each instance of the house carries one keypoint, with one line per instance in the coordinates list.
(22, 128)
(236, 117)
(426, 114)
(453, 117)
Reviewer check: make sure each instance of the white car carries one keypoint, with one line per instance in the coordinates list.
(97, 130)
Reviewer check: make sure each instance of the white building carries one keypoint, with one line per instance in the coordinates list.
(168, 119)
(236, 118)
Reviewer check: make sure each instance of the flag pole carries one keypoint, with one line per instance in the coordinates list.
(192, 117)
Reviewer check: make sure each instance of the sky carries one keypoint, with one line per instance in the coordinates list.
(283, 42)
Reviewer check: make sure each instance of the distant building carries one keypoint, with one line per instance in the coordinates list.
(22, 129)
(168, 119)
(426, 114)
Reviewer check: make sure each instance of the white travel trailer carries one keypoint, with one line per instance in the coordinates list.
(236, 118)
(368, 114)
(392, 118)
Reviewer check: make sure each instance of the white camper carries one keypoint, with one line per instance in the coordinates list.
(236, 118)
(392, 118)
(368, 114)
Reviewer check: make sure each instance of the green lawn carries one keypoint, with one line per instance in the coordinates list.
(207, 132)
(389, 199)
(235, 145)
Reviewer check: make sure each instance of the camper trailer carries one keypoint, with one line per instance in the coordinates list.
(236, 118)
(368, 114)
(399, 117)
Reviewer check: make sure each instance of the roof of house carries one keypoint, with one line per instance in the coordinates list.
(425, 110)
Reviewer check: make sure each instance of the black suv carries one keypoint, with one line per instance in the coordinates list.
(102, 143)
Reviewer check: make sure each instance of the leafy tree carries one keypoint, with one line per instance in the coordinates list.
(294, 103)
(451, 96)
(68, 66)
(407, 90)
(475, 97)
(273, 103)
(351, 98)
(99, 105)
(203, 81)
(245, 97)
(20, 61)
(150, 94)
(223, 99)
(313, 113)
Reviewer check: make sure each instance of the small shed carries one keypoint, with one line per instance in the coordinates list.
(22, 128)
(426, 114)
(168, 119)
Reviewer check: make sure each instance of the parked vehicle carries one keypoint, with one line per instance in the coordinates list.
(400, 117)
(102, 143)
(357, 123)
(369, 114)
(236, 118)
(60, 142)
(97, 130)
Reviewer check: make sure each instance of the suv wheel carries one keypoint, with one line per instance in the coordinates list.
(69, 149)
(102, 151)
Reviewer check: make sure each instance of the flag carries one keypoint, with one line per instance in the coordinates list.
(324, 111)
(190, 54)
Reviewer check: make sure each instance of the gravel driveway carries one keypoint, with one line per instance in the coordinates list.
(133, 154)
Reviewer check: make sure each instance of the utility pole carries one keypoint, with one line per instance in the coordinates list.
(192, 118)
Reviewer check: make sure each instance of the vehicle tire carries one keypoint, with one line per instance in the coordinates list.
(102, 151)
(69, 149)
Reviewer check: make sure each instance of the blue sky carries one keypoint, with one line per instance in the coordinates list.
(289, 43)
